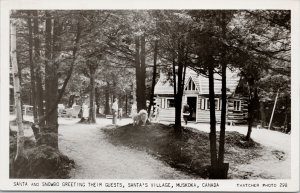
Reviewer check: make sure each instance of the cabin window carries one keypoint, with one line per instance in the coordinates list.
(191, 85)
(237, 105)
(170, 103)
(217, 104)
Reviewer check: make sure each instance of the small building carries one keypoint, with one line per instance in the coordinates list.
(196, 95)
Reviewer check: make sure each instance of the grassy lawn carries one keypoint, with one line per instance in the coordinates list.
(189, 152)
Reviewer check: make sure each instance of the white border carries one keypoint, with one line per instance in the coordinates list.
(224, 185)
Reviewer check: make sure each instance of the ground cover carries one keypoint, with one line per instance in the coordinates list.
(189, 152)
(40, 161)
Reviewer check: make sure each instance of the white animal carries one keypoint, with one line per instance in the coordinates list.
(141, 116)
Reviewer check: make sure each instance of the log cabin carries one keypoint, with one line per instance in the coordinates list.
(196, 95)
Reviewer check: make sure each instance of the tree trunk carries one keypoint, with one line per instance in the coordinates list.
(48, 62)
(223, 117)
(180, 85)
(224, 99)
(286, 117)
(126, 104)
(250, 114)
(49, 133)
(114, 91)
(37, 61)
(35, 130)
(139, 76)
(140, 72)
(273, 110)
(253, 102)
(32, 70)
(250, 120)
(137, 72)
(177, 122)
(107, 108)
(92, 118)
(174, 75)
(17, 91)
(153, 77)
(97, 99)
(262, 114)
(20, 77)
(143, 74)
(50, 130)
(212, 134)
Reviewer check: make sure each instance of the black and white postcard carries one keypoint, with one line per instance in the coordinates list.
(150, 95)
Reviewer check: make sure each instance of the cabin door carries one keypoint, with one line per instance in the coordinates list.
(192, 102)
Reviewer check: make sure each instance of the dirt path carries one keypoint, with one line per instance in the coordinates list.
(273, 164)
(96, 158)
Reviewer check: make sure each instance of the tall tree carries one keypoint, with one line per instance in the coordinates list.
(47, 127)
(129, 47)
(211, 39)
(139, 93)
(37, 62)
(32, 66)
(178, 92)
(225, 18)
(93, 49)
(107, 108)
(92, 69)
(140, 71)
(263, 46)
(143, 73)
(212, 134)
(53, 50)
(174, 28)
(17, 93)
(153, 76)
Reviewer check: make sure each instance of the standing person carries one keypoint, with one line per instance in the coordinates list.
(115, 111)
(148, 109)
(85, 111)
(133, 109)
(147, 105)
(120, 113)
(156, 113)
(186, 112)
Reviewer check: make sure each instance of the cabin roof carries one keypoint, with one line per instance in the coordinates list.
(164, 86)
